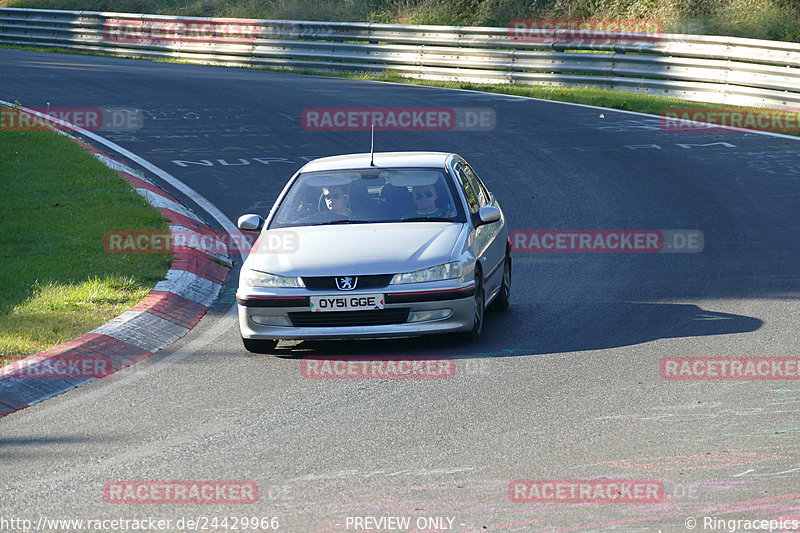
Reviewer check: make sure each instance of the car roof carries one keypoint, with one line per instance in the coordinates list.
(380, 159)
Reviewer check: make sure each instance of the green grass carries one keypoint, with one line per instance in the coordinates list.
(628, 101)
(56, 281)
(761, 19)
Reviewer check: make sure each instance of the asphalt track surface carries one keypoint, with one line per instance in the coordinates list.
(565, 385)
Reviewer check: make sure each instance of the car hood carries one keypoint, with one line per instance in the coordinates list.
(359, 249)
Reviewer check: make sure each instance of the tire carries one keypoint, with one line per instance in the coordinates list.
(259, 345)
(503, 298)
(480, 304)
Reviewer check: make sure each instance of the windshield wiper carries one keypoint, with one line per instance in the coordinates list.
(344, 221)
(427, 219)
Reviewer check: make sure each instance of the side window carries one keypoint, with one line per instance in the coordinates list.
(477, 185)
(469, 192)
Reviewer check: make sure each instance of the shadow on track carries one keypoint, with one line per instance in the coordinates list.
(526, 329)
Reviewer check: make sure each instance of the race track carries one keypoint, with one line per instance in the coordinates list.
(563, 386)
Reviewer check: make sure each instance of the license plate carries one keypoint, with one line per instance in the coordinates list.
(353, 302)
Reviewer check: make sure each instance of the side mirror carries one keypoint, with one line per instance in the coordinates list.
(488, 214)
(250, 222)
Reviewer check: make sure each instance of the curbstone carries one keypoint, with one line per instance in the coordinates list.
(172, 309)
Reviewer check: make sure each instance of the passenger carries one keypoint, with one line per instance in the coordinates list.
(425, 198)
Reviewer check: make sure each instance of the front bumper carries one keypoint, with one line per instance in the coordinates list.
(448, 307)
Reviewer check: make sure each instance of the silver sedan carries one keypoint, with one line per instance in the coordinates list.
(366, 246)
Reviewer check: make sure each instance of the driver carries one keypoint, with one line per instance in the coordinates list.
(337, 201)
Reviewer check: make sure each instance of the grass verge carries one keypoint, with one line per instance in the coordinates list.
(626, 100)
(57, 282)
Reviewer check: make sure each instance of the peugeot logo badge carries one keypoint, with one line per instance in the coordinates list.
(346, 283)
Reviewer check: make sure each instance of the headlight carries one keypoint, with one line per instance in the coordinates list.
(435, 273)
(253, 278)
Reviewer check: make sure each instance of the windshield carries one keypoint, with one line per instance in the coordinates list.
(368, 196)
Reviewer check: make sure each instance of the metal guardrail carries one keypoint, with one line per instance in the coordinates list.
(722, 70)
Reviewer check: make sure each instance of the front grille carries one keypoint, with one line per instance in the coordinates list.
(364, 282)
(322, 319)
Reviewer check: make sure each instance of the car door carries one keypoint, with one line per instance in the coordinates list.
(488, 248)
(498, 232)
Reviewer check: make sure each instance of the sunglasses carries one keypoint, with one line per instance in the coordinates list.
(419, 195)
(333, 195)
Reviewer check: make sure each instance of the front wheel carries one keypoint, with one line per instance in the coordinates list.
(503, 298)
(259, 345)
(480, 299)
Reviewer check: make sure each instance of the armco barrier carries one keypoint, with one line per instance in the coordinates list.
(722, 70)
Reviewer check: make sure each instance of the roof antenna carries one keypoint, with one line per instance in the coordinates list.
(372, 147)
